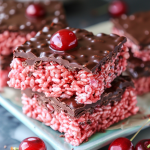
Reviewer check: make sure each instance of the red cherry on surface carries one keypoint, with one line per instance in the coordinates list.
(117, 8)
(63, 40)
(143, 145)
(32, 143)
(121, 144)
(35, 10)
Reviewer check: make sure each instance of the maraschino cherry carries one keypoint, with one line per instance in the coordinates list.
(35, 10)
(143, 145)
(63, 40)
(117, 8)
(121, 144)
(31, 143)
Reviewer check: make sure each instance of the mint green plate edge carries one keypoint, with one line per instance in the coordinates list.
(98, 140)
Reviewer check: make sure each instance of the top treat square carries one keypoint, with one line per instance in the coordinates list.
(83, 71)
(136, 27)
(13, 15)
(90, 54)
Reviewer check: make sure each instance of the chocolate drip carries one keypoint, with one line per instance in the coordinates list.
(136, 27)
(138, 68)
(74, 109)
(13, 16)
(92, 51)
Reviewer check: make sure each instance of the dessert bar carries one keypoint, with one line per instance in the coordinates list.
(80, 121)
(84, 70)
(140, 73)
(18, 24)
(136, 28)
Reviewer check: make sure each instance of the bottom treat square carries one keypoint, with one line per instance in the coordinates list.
(112, 108)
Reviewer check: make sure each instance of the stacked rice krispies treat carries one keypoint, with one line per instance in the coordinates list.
(71, 80)
(18, 23)
(136, 28)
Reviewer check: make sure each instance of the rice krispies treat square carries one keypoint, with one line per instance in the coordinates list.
(16, 27)
(136, 28)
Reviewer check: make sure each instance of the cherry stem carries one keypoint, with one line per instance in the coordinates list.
(139, 130)
(148, 146)
(14, 148)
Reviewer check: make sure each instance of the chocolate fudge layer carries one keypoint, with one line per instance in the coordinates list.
(14, 17)
(73, 109)
(77, 130)
(136, 28)
(84, 71)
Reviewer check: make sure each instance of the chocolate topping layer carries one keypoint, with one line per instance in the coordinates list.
(74, 109)
(5, 61)
(138, 68)
(136, 27)
(13, 16)
(92, 50)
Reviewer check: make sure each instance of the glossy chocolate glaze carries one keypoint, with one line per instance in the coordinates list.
(138, 68)
(74, 109)
(13, 16)
(136, 27)
(92, 50)
(5, 61)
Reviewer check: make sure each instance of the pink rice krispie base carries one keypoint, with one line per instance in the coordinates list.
(142, 54)
(10, 40)
(142, 85)
(80, 129)
(4, 78)
(55, 80)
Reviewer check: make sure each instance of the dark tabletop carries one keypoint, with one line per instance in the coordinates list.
(80, 14)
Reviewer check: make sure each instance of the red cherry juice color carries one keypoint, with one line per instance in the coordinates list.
(121, 144)
(35, 10)
(117, 8)
(63, 40)
(32, 143)
(143, 145)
